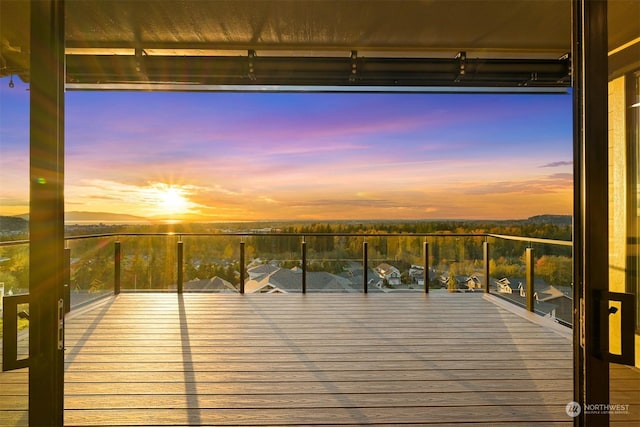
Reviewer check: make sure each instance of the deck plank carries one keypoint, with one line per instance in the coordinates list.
(416, 415)
(352, 359)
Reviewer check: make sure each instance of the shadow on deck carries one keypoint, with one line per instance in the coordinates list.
(349, 359)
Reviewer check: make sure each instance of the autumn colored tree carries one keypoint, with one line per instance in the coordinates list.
(554, 269)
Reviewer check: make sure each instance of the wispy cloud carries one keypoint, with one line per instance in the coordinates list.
(556, 164)
(543, 185)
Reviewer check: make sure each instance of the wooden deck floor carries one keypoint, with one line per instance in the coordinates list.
(315, 359)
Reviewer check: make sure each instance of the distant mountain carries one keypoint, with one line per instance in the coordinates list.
(13, 223)
(551, 219)
(100, 216)
(92, 216)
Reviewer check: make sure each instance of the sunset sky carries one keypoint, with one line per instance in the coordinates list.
(263, 156)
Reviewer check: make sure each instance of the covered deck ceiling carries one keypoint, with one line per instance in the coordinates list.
(189, 45)
(177, 43)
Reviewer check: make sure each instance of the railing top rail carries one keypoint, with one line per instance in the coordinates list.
(532, 239)
(14, 243)
(299, 234)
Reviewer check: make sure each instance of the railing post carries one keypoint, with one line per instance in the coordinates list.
(116, 268)
(485, 257)
(66, 291)
(180, 257)
(365, 262)
(304, 266)
(426, 267)
(242, 267)
(529, 278)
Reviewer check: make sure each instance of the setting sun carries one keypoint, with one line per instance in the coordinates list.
(170, 199)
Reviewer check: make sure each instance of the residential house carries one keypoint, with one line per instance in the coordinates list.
(389, 273)
(473, 282)
(505, 286)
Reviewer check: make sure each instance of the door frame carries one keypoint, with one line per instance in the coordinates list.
(592, 295)
(46, 211)
(591, 373)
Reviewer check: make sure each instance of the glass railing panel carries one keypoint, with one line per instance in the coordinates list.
(211, 263)
(334, 264)
(273, 263)
(91, 269)
(553, 287)
(456, 263)
(14, 269)
(550, 266)
(148, 263)
(411, 253)
(507, 270)
(382, 274)
(23, 331)
(14, 276)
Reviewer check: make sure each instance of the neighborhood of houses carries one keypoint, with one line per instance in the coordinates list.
(555, 302)
(551, 301)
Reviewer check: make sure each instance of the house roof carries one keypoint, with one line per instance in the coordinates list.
(551, 293)
(263, 269)
(287, 280)
(215, 284)
(385, 268)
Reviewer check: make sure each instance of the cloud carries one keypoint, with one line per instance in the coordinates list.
(567, 177)
(10, 201)
(556, 164)
(151, 198)
(543, 185)
(345, 202)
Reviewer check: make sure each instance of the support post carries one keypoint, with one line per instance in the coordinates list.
(46, 222)
(365, 262)
(530, 288)
(180, 260)
(485, 257)
(117, 258)
(242, 267)
(426, 267)
(304, 266)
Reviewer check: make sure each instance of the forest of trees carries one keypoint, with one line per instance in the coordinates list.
(150, 261)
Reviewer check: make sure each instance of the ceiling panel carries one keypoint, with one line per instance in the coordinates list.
(497, 25)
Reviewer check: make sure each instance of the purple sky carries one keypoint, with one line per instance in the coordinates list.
(252, 156)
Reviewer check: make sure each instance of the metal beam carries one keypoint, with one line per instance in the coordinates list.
(255, 88)
(317, 71)
(46, 225)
